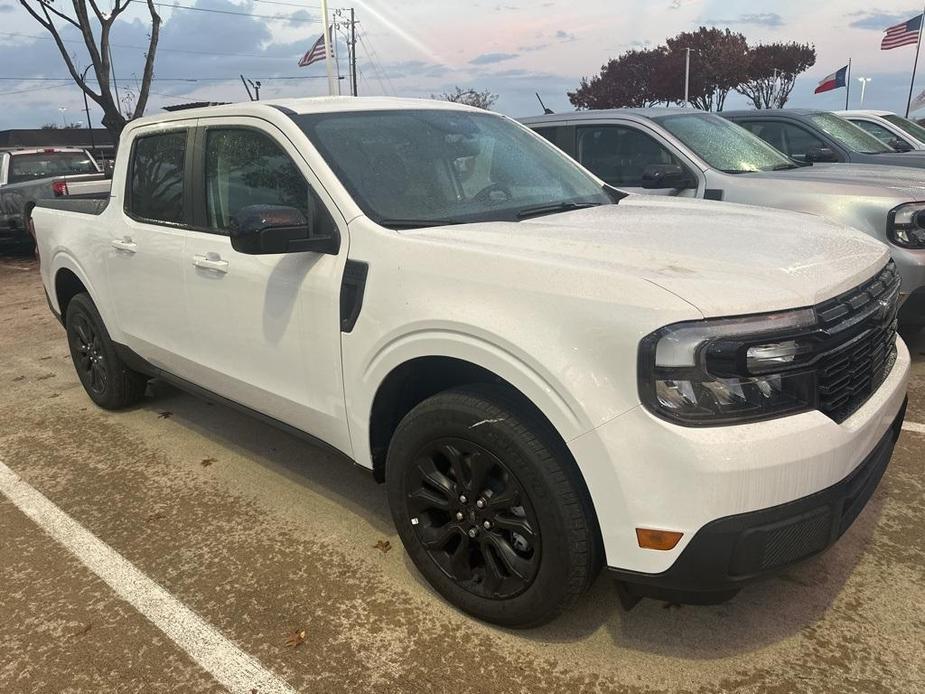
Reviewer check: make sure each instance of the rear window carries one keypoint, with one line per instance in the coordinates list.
(156, 179)
(29, 167)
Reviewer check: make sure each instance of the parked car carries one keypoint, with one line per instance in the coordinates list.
(900, 133)
(689, 153)
(29, 175)
(548, 375)
(821, 137)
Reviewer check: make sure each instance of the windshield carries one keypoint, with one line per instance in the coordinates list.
(427, 167)
(848, 134)
(909, 126)
(27, 167)
(724, 145)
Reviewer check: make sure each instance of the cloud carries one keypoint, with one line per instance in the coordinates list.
(492, 58)
(765, 19)
(565, 36)
(878, 21)
(6, 8)
(300, 18)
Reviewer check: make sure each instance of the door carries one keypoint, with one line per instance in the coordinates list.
(620, 154)
(264, 330)
(791, 139)
(882, 133)
(146, 249)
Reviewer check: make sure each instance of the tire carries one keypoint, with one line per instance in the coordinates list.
(105, 377)
(473, 455)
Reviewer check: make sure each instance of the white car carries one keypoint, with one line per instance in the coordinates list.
(549, 376)
(888, 127)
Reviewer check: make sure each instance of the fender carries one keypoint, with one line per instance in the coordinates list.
(64, 260)
(537, 384)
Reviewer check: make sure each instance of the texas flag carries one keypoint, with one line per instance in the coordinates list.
(834, 81)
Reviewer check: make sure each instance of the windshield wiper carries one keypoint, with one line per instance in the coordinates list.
(784, 167)
(414, 223)
(539, 210)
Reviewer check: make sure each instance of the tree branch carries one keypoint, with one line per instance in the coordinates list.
(149, 61)
(46, 8)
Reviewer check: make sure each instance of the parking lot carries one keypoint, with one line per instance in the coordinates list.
(264, 537)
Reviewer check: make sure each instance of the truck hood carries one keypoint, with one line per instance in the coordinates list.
(915, 159)
(724, 259)
(888, 181)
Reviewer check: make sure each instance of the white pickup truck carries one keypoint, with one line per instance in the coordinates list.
(549, 376)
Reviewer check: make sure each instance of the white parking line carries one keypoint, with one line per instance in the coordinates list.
(912, 426)
(228, 664)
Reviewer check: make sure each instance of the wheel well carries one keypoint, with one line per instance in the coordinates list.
(67, 286)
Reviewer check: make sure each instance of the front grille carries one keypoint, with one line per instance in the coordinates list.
(860, 327)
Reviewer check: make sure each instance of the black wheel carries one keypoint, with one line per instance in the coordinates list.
(490, 507)
(105, 377)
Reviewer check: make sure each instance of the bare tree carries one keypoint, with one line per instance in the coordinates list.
(471, 97)
(85, 16)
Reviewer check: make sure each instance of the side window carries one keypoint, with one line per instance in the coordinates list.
(548, 133)
(620, 154)
(876, 130)
(157, 176)
(790, 139)
(246, 167)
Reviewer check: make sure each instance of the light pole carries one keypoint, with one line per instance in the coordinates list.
(687, 76)
(863, 81)
(61, 110)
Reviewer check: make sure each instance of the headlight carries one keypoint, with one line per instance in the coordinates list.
(713, 372)
(906, 225)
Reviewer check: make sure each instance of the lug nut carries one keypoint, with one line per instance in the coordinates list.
(487, 525)
(459, 515)
(473, 532)
(462, 498)
(480, 503)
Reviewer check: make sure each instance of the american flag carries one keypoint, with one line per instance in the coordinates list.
(903, 34)
(316, 52)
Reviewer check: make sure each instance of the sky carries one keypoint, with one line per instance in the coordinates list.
(419, 48)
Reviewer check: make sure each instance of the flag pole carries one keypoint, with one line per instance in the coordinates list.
(327, 47)
(848, 85)
(915, 65)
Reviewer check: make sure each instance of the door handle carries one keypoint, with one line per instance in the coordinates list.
(211, 261)
(124, 244)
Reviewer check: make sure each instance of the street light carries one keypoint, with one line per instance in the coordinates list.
(863, 81)
(61, 110)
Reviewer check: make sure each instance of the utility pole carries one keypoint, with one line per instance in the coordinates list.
(328, 57)
(353, 50)
(687, 76)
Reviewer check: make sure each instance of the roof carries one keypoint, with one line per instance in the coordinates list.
(866, 112)
(193, 104)
(319, 104)
(775, 112)
(54, 137)
(41, 150)
(593, 114)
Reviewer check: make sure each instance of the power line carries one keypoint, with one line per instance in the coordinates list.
(159, 48)
(289, 18)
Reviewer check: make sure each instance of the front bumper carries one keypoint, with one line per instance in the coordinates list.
(729, 552)
(644, 472)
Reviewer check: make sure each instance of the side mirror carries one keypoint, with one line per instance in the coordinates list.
(821, 155)
(661, 176)
(266, 229)
(900, 145)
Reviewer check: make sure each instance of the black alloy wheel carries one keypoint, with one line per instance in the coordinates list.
(103, 374)
(491, 507)
(473, 518)
(89, 359)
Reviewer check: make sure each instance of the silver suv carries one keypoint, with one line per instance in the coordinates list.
(689, 153)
